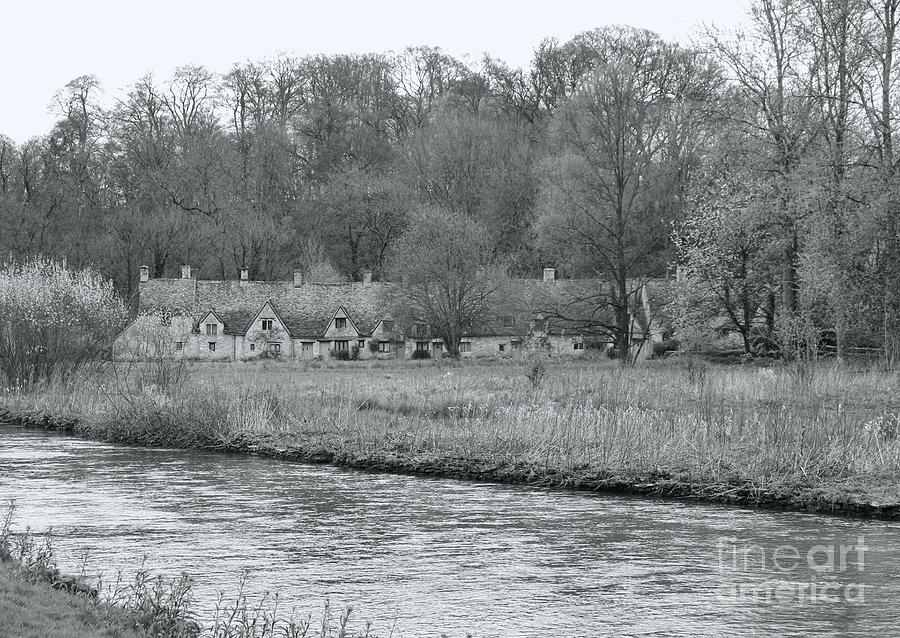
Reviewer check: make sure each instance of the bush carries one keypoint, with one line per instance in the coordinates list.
(340, 355)
(54, 319)
(662, 348)
(421, 354)
(354, 353)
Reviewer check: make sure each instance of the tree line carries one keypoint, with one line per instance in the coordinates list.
(761, 162)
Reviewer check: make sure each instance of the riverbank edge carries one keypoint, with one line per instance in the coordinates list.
(832, 499)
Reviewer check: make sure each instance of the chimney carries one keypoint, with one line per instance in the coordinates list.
(185, 272)
(245, 274)
(549, 274)
(298, 278)
(367, 278)
(145, 273)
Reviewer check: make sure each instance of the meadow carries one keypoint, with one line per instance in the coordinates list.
(811, 436)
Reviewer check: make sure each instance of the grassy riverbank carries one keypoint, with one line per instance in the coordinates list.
(36, 610)
(37, 601)
(822, 438)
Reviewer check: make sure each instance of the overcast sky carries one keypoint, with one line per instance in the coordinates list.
(45, 44)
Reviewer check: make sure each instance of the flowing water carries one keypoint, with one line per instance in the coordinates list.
(422, 557)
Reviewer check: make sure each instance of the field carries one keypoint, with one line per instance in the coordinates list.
(808, 436)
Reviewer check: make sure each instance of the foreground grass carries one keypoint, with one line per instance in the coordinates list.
(35, 610)
(820, 437)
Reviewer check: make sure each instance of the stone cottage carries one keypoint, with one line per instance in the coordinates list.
(243, 319)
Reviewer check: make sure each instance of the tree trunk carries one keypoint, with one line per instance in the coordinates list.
(623, 320)
(789, 277)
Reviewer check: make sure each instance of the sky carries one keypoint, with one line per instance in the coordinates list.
(46, 44)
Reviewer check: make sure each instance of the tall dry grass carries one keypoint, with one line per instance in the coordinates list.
(801, 424)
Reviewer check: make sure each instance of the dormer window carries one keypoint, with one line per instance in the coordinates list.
(267, 324)
(212, 329)
(340, 323)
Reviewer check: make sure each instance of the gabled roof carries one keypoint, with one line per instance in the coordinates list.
(350, 319)
(304, 310)
(274, 312)
(307, 310)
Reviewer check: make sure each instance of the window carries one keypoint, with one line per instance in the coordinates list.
(212, 346)
(275, 347)
(502, 347)
(179, 345)
(267, 324)
(387, 325)
(340, 323)
(422, 345)
(212, 329)
(306, 347)
(420, 329)
(341, 346)
(252, 346)
(465, 346)
(578, 345)
(384, 346)
(361, 344)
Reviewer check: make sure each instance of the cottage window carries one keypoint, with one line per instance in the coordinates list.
(252, 346)
(387, 325)
(212, 329)
(179, 345)
(361, 344)
(267, 324)
(578, 345)
(502, 347)
(341, 346)
(340, 323)
(275, 347)
(465, 346)
(420, 329)
(422, 345)
(384, 346)
(212, 346)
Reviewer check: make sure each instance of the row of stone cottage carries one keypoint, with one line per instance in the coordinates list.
(244, 319)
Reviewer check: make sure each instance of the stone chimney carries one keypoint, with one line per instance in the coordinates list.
(367, 278)
(145, 273)
(549, 274)
(298, 278)
(185, 272)
(245, 274)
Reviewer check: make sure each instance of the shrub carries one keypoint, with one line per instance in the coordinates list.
(421, 354)
(354, 353)
(661, 348)
(340, 355)
(536, 367)
(54, 319)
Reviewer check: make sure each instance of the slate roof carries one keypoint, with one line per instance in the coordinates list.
(307, 310)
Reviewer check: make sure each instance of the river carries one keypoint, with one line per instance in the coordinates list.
(422, 557)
